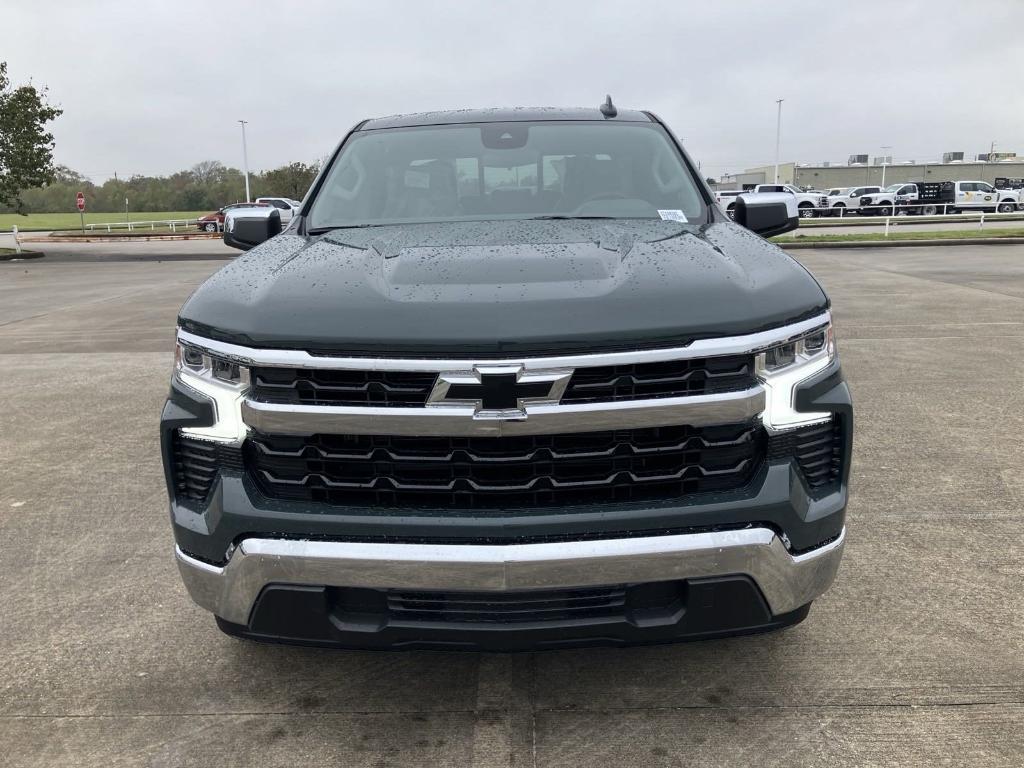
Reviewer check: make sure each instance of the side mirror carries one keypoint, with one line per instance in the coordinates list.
(767, 214)
(245, 228)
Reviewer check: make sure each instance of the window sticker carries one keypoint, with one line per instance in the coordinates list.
(673, 216)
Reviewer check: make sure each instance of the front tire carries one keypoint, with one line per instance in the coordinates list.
(807, 211)
(1006, 207)
(731, 212)
(210, 226)
(885, 210)
(839, 209)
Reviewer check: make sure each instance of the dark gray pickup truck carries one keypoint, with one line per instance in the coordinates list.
(509, 379)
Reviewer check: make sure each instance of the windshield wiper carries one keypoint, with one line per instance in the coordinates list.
(325, 230)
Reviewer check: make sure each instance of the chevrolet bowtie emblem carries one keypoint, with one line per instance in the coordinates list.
(499, 391)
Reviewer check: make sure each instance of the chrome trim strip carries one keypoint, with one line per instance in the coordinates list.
(542, 419)
(296, 358)
(787, 582)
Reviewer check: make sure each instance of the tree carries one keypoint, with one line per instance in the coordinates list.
(26, 147)
(290, 180)
(208, 171)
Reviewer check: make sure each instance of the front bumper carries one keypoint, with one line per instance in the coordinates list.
(744, 560)
(777, 582)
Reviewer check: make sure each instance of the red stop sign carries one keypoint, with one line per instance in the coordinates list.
(80, 201)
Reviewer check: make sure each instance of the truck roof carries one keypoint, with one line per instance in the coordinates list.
(503, 115)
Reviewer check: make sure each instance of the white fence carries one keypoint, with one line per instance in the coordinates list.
(906, 214)
(173, 224)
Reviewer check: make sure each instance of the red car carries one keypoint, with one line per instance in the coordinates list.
(214, 222)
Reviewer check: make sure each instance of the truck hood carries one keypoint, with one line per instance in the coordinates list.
(503, 288)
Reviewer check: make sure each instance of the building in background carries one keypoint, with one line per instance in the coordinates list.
(826, 175)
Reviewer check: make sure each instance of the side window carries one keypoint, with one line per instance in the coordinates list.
(967, 186)
(858, 192)
(984, 188)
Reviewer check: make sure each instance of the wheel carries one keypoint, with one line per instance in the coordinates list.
(807, 211)
(902, 212)
(885, 210)
(1006, 207)
(839, 209)
(210, 226)
(929, 210)
(731, 211)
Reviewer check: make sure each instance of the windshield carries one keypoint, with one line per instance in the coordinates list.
(505, 171)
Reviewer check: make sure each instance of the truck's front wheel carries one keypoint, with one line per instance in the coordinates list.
(806, 211)
(885, 210)
(1006, 207)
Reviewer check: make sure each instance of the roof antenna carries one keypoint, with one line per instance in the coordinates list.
(608, 109)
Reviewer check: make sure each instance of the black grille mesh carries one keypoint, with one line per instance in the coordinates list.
(501, 608)
(339, 387)
(528, 471)
(196, 463)
(405, 607)
(817, 449)
(675, 378)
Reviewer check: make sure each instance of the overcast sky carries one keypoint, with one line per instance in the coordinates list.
(154, 87)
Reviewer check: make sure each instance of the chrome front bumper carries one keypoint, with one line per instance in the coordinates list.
(787, 581)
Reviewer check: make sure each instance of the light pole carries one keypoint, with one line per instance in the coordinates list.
(245, 162)
(778, 136)
(884, 150)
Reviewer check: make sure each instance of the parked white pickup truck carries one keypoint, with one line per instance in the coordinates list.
(727, 199)
(285, 205)
(931, 198)
(808, 204)
(847, 199)
(980, 194)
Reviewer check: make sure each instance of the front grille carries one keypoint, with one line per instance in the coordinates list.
(818, 451)
(196, 463)
(311, 386)
(674, 378)
(527, 471)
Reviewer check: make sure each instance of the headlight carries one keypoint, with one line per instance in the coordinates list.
(782, 367)
(223, 381)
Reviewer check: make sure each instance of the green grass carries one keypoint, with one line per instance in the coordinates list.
(47, 221)
(948, 234)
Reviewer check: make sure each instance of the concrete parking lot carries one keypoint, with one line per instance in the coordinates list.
(915, 658)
